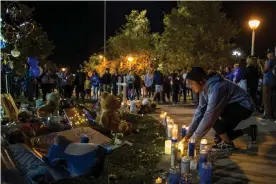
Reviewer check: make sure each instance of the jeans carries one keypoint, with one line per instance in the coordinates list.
(95, 90)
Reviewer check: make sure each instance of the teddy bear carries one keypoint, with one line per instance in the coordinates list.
(51, 105)
(110, 117)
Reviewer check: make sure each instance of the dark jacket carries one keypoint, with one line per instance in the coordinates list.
(251, 76)
(106, 79)
(137, 81)
(80, 78)
(158, 78)
(115, 79)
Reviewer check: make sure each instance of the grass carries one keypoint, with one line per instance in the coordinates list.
(137, 163)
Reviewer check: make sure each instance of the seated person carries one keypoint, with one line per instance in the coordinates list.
(50, 106)
(80, 158)
(222, 106)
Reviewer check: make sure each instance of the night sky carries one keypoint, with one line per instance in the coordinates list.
(77, 28)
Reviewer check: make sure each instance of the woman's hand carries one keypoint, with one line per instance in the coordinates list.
(186, 138)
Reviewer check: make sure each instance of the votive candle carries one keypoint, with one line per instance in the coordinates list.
(191, 147)
(203, 144)
(168, 147)
(175, 131)
(169, 129)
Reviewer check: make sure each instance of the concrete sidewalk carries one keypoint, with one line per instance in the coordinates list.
(256, 164)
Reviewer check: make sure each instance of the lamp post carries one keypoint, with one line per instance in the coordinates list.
(130, 59)
(253, 24)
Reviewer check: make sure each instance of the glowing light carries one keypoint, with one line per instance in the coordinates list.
(236, 53)
(253, 24)
(130, 59)
(15, 52)
(63, 69)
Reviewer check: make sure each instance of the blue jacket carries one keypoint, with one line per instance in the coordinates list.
(239, 75)
(80, 157)
(216, 95)
(95, 80)
(229, 76)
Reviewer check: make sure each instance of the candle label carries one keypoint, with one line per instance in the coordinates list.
(185, 165)
(191, 149)
(184, 132)
(173, 156)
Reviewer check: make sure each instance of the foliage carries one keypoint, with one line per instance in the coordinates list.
(133, 40)
(19, 29)
(197, 33)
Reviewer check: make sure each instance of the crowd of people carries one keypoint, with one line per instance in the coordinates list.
(253, 75)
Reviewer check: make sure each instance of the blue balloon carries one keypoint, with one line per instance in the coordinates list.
(35, 71)
(3, 44)
(32, 62)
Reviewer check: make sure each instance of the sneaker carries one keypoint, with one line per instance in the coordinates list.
(253, 134)
(223, 146)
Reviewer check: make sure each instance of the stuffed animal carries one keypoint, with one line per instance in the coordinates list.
(50, 106)
(133, 108)
(110, 118)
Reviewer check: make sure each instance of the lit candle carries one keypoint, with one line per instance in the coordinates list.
(175, 131)
(203, 144)
(173, 153)
(158, 180)
(184, 130)
(170, 130)
(191, 147)
(168, 147)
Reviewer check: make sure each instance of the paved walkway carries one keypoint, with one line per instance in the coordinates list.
(256, 164)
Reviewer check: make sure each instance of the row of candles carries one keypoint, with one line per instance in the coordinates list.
(182, 162)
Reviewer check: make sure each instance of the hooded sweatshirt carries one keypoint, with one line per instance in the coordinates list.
(216, 95)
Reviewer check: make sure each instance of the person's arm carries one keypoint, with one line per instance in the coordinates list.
(200, 110)
(217, 100)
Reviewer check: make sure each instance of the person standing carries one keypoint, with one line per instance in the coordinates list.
(79, 82)
(148, 83)
(28, 78)
(137, 85)
(158, 80)
(269, 84)
(228, 73)
(68, 84)
(252, 78)
(95, 81)
(87, 87)
(47, 83)
(106, 81)
(114, 79)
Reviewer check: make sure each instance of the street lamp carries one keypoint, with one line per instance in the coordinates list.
(15, 52)
(236, 53)
(253, 24)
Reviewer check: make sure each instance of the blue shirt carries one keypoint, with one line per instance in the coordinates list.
(268, 76)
